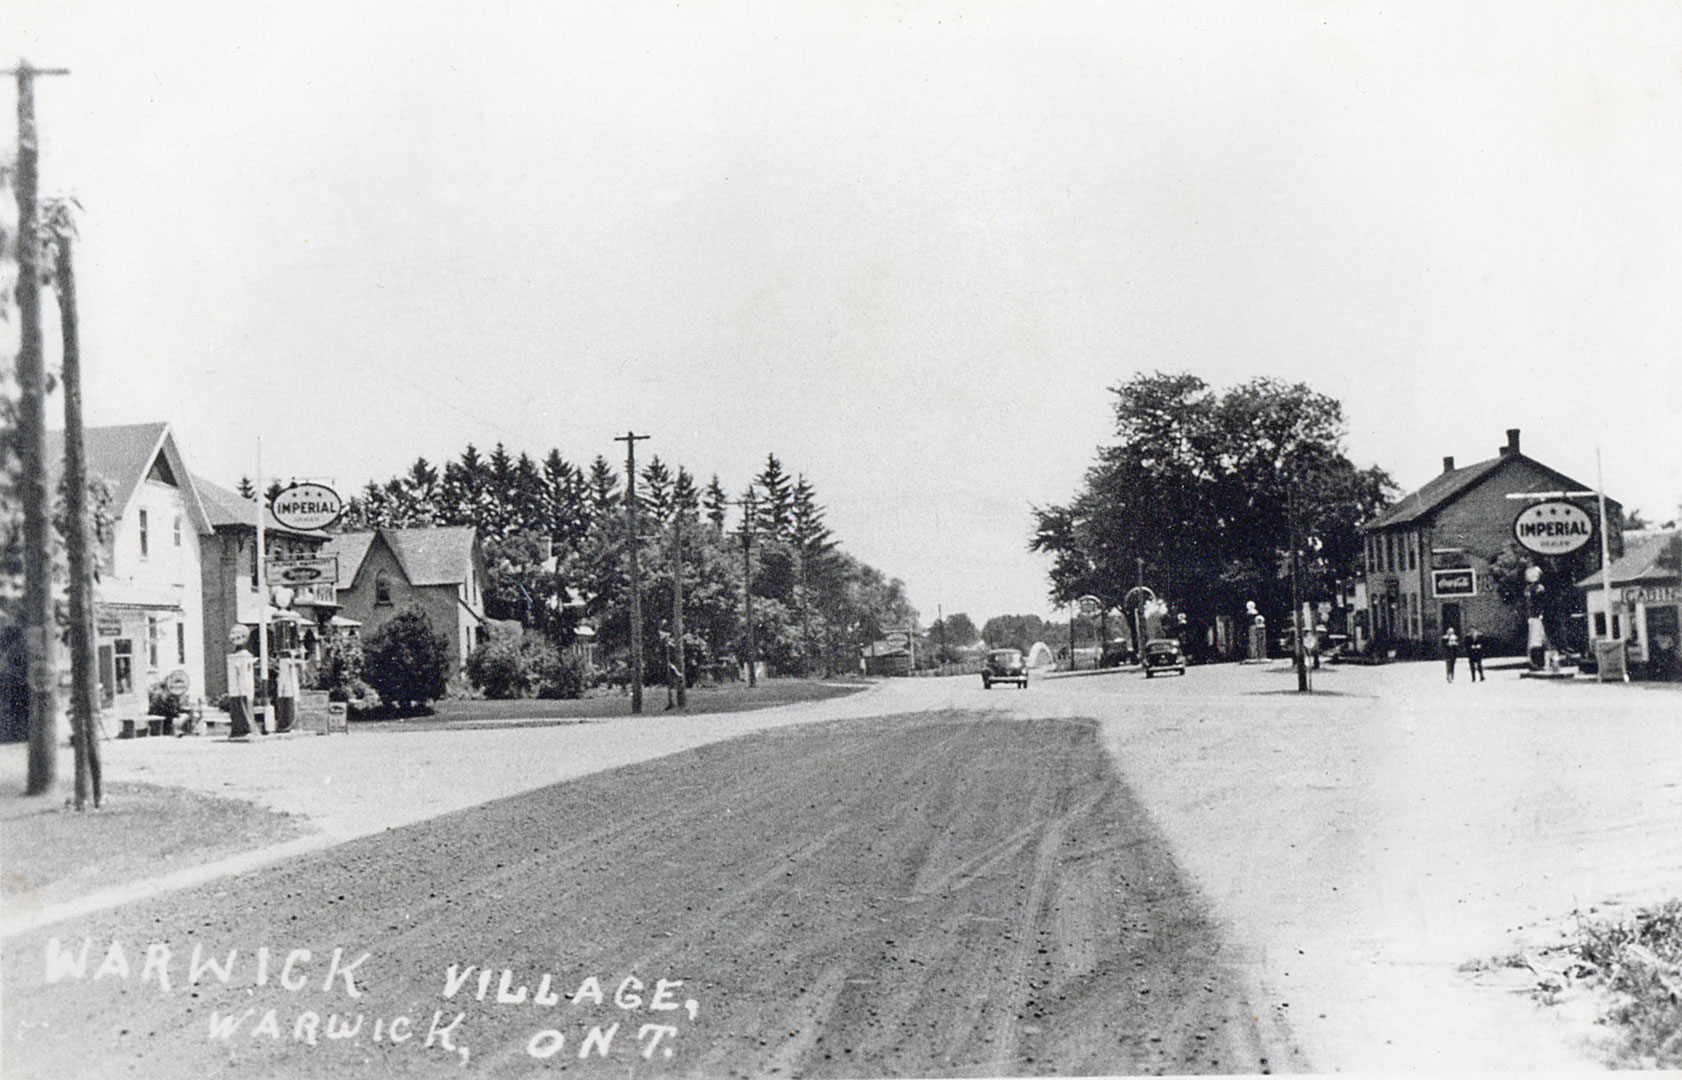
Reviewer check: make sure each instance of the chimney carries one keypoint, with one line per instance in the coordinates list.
(1448, 463)
(1512, 442)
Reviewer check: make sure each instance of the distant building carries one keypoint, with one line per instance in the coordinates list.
(1428, 557)
(442, 570)
(1646, 603)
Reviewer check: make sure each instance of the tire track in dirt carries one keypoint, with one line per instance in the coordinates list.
(921, 895)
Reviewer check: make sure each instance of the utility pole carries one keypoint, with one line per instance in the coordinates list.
(630, 439)
(677, 606)
(746, 502)
(32, 450)
(1298, 656)
(84, 706)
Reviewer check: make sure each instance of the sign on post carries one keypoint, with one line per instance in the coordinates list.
(306, 507)
(1090, 605)
(294, 572)
(1553, 527)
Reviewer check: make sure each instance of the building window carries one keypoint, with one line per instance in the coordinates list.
(152, 642)
(382, 588)
(123, 666)
(1413, 551)
(145, 535)
(181, 643)
(177, 530)
(253, 562)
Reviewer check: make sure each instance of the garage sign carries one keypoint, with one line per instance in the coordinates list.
(307, 506)
(1553, 528)
(297, 572)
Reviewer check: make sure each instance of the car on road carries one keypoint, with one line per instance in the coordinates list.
(1004, 665)
(1163, 654)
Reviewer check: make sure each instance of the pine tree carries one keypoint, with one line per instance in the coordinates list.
(777, 504)
(715, 500)
(246, 489)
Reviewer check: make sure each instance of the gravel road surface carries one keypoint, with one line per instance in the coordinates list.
(940, 893)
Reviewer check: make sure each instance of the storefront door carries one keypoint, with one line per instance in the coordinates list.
(1662, 640)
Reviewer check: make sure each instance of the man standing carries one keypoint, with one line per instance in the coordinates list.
(1474, 655)
(1451, 649)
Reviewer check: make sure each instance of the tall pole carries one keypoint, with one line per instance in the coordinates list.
(1299, 658)
(32, 452)
(630, 439)
(677, 607)
(262, 687)
(747, 505)
(1605, 550)
(84, 706)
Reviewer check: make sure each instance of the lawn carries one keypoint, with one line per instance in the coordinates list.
(730, 697)
(52, 853)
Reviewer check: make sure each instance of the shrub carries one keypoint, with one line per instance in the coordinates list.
(405, 661)
(556, 674)
(499, 668)
(339, 670)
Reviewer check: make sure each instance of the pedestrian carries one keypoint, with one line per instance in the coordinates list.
(1474, 655)
(1451, 649)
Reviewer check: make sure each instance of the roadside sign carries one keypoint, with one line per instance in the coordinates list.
(1461, 581)
(1090, 605)
(307, 506)
(310, 571)
(177, 682)
(238, 635)
(1553, 527)
(896, 639)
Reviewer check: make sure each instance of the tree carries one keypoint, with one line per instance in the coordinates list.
(1204, 497)
(405, 660)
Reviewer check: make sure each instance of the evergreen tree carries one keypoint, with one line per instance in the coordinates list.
(716, 501)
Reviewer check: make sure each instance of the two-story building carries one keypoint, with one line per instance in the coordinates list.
(1428, 557)
(148, 595)
(231, 598)
(441, 570)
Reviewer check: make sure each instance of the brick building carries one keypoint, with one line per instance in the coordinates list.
(1428, 556)
(440, 570)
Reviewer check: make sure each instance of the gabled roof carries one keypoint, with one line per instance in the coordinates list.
(1442, 489)
(1446, 487)
(230, 510)
(435, 556)
(122, 455)
(431, 556)
(1639, 563)
(350, 548)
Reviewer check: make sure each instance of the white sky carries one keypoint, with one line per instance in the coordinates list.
(906, 247)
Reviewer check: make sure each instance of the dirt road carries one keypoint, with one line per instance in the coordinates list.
(942, 893)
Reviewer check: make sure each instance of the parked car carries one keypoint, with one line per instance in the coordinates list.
(1163, 654)
(1117, 653)
(1005, 665)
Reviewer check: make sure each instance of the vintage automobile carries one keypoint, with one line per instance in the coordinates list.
(1005, 665)
(1163, 654)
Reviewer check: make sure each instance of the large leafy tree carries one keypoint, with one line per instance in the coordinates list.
(1204, 496)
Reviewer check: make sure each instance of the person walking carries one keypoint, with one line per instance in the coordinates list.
(1451, 649)
(1474, 655)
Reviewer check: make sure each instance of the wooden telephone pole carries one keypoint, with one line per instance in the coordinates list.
(84, 703)
(677, 606)
(747, 503)
(634, 539)
(32, 450)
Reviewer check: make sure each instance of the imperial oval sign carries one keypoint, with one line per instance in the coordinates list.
(307, 506)
(1553, 528)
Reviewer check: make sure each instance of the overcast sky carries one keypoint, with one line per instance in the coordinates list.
(906, 247)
